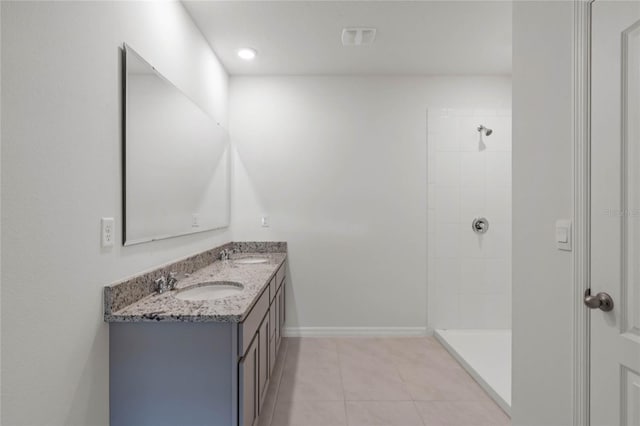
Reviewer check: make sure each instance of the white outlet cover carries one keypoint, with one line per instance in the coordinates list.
(108, 231)
(265, 221)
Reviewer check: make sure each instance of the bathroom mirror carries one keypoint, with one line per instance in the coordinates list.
(176, 159)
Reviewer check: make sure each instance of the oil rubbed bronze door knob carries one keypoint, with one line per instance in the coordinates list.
(601, 301)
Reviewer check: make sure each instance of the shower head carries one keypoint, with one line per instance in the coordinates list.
(487, 131)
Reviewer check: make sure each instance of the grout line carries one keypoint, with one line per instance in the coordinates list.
(344, 391)
(404, 383)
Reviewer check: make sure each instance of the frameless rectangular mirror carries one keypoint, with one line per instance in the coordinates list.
(176, 159)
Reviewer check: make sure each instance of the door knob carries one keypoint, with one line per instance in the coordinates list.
(601, 301)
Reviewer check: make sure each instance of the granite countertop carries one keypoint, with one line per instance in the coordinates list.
(166, 307)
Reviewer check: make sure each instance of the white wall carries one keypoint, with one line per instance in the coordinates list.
(469, 177)
(61, 135)
(542, 288)
(340, 166)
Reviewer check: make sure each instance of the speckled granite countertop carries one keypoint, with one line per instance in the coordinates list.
(166, 307)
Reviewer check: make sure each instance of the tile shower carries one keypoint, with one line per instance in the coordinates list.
(469, 177)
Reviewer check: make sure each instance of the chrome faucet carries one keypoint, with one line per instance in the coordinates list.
(226, 254)
(167, 283)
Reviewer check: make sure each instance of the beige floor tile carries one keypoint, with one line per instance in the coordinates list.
(370, 379)
(362, 347)
(420, 351)
(311, 352)
(309, 413)
(382, 413)
(311, 383)
(384, 381)
(462, 413)
(431, 384)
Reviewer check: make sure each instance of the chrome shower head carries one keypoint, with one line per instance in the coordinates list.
(487, 131)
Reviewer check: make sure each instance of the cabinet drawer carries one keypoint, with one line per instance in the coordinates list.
(249, 327)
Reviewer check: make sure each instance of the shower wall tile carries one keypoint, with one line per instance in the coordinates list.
(473, 169)
(498, 204)
(472, 276)
(472, 201)
(448, 202)
(447, 168)
(469, 274)
(447, 244)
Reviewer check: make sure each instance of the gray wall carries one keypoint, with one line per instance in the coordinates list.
(61, 139)
(340, 166)
(542, 288)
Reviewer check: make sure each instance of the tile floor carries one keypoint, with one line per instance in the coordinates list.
(374, 382)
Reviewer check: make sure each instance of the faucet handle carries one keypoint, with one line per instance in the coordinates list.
(161, 284)
(172, 280)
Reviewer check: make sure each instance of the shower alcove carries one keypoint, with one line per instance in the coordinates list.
(469, 178)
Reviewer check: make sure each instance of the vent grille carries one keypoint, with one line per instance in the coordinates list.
(358, 36)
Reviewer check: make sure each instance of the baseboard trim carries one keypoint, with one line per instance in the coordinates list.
(355, 331)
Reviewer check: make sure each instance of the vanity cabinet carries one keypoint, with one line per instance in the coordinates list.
(196, 373)
(248, 369)
(262, 350)
(264, 367)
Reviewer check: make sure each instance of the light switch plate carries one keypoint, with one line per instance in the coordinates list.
(563, 234)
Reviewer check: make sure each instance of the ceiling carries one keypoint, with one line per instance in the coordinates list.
(304, 37)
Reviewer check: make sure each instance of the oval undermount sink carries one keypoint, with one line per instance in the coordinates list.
(250, 260)
(212, 290)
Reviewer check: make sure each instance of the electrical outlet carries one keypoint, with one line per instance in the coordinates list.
(108, 231)
(195, 220)
(265, 221)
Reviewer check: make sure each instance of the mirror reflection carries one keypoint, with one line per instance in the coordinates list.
(176, 160)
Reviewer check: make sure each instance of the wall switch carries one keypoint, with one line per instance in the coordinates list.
(195, 220)
(265, 221)
(108, 231)
(563, 235)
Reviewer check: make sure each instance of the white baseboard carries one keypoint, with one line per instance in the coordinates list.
(355, 331)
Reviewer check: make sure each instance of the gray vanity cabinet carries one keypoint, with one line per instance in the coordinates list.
(264, 364)
(248, 370)
(279, 307)
(196, 373)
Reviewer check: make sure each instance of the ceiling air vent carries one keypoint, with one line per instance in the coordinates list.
(358, 36)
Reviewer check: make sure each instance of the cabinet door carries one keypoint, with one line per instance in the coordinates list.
(280, 325)
(263, 355)
(272, 354)
(276, 306)
(249, 385)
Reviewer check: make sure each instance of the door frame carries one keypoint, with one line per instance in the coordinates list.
(581, 188)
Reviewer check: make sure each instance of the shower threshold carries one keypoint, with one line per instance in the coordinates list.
(486, 355)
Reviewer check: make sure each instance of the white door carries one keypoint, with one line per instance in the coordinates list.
(615, 214)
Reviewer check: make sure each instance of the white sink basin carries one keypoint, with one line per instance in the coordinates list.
(250, 260)
(210, 291)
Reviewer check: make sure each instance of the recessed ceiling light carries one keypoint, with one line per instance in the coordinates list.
(247, 53)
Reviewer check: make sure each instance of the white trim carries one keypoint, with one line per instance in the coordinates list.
(355, 331)
(581, 151)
